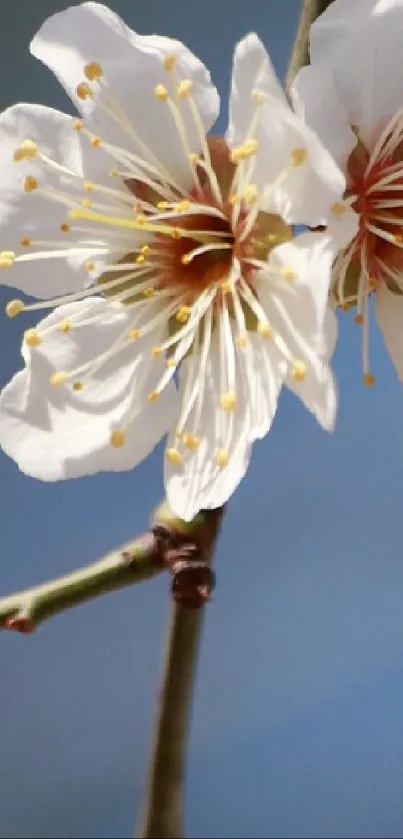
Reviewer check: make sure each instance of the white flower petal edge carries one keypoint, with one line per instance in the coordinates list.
(389, 315)
(202, 482)
(306, 186)
(360, 44)
(54, 433)
(299, 312)
(315, 100)
(36, 194)
(126, 106)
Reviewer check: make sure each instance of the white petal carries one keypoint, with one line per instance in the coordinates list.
(360, 44)
(389, 314)
(306, 193)
(32, 215)
(54, 433)
(315, 100)
(133, 66)
(199, 483)
(298, 311)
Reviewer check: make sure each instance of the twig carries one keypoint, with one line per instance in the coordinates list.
(311, 9)
(163, 812)
(130, 564)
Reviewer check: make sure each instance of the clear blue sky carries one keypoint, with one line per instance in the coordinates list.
(298, 721)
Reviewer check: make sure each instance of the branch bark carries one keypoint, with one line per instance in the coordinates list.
(311, 9)
(132, 563)
(163, 812)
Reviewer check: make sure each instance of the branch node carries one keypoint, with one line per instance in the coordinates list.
(20, 622)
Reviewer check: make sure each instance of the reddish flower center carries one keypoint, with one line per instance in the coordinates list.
(375, 183)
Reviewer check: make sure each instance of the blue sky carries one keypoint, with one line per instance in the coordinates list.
(298, 719)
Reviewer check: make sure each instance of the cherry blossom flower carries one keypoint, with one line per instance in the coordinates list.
(166, 257)
(352, 96)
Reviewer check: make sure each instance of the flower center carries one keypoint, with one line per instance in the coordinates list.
(375, 190)
(202, 235)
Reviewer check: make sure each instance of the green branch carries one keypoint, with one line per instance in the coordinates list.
(311, 9)
(132, 563)
(163, 811)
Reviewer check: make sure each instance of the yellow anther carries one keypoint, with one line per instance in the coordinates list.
(170, 62)
(248, 149)
(93, 71)
(299, 371)
(148, 292)
(183, 314)
(86, 203)
(64, 326)
(114, 173)
(25, 242)
(186, 258)
(398, 239)
(58, 379)
(226, 287)
(265, 330)
(26, 151)
(134, 334)
(288, 274)
(194, 159)
(250, 194)
(95, 142)
(369, 379)
(176, 233)
(84, 91)
(359, 320)
(140, 259)
(234, 199)
(153, 396)
(78, 386)
(157, 352)
(228, 401)
(338, 208)
(88, 186)
(191, 441)
(30, 183)
(65, 228)
(241, 341)
(117, 438)
(372, 284)
(174, 456)
(298, 156)
(14, 308)
(89, 266)
(7, 259)
(141, 220)
(182, 206)
(161, 93)
(346, 306)
(162, 205)
(170, 362)
(145, 250)
(31, 338)
(78, 125)
(257, 96)
(184, 88)
(222, 457)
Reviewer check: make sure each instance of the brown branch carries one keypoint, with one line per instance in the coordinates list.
(311, 9)
(163, 812)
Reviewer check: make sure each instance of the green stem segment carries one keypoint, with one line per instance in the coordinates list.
(311, 9)
(163, 811)
(163, 816)
(130, 564)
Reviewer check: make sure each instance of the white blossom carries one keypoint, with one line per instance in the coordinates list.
(162, 250)
(352, 95)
